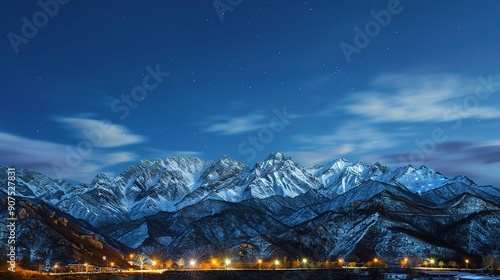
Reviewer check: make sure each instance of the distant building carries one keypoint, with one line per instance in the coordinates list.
(80, 267)
(396, 276)
(438, 275)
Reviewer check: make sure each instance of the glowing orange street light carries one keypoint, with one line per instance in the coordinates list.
(276, 263)
(260, 263)
(214, 263)
(55, 268)
(467, 263)
(405, 261)
(192, 263)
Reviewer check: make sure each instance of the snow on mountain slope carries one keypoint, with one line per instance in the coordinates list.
(144, 189)
(417, 180)
(366, 191)
(222, 181)
(168, 185)
(32, 184)
(279, 206)
(342, 175)
(280, 175)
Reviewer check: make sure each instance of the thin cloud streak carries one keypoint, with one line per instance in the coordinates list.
(235, 125)
(17, 150)
(42, 156)
(471, 158)
(349, 139)
(112, 135)
(415, 98)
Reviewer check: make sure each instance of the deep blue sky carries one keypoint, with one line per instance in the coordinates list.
(418, 80)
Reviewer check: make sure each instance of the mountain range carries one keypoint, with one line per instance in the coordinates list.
(181, 206)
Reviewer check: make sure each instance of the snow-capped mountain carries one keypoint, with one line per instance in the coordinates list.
(341, 208)
(342, 175)
(279, 175)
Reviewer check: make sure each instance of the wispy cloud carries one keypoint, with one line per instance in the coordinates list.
(415, 98)
(44, 156)
(29, 153)
(227, 125)
(479, 160)
(69, 160)
(110, 135)
(348, 139)
(471, 152)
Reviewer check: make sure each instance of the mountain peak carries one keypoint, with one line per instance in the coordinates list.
(464, 179)
(100, 177)
(277, 156)
(338, 164)
(225, 160)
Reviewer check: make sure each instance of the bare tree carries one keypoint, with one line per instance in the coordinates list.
(142, 259)
(453, 264)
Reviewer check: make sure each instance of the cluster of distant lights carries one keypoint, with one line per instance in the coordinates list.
(276, 262)
(227, 262)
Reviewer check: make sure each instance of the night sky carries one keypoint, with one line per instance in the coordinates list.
(95, 86)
